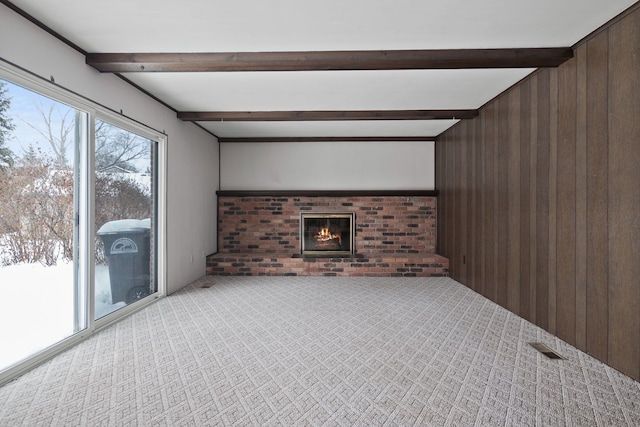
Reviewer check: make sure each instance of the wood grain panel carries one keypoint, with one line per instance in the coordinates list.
(479, 213)
(542, 198)
(525, 203)
(451, 152)
(456, 211)
(502, 213)
(566, 203)
(597, 202)
(490, 196)
(553, 184)
(469, 138)
(441, 175)
(581, 199)
(452, 201)
(472, 203)
(624, 196)
(513, 202)
(439, 178)
(533, 207)
(464, 194)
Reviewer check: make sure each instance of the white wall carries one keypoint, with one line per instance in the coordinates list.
(327, 166)
(192, 153)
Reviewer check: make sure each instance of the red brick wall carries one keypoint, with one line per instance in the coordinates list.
(384, 225)
(418, 265)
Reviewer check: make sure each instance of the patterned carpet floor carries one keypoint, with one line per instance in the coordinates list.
(321, 351)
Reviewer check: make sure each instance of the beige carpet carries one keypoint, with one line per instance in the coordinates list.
(321, 351)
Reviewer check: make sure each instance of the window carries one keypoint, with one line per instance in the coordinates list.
(81, 219)
(38, 234)
(125, 195)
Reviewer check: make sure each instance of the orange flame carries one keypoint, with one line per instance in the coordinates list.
(324, 235)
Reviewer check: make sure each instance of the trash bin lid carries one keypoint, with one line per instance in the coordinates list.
(125, 225)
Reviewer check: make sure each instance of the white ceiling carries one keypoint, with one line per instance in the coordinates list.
(298, 25)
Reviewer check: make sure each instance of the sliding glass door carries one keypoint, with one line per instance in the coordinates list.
(81, 208)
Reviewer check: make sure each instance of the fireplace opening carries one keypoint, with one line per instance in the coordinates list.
(327, 233)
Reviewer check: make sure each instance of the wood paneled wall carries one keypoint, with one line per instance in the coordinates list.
(539, 206)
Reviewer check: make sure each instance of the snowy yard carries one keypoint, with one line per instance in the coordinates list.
(36, 307)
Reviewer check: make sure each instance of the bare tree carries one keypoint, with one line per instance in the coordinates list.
(57, 129)
(116, 147)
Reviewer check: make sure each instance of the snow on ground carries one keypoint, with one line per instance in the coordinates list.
(36, 307)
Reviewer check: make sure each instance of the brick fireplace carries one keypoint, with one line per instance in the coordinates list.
(394, 234)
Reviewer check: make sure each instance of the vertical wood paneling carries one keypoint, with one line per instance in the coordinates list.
(498, 250)
(444, 205)
(440, 174)
(566, 203)
(541, 192)
(581, 199)
(452, 199)
(533, 207)
(478, 206)
(513, 202)
(444, 198)
(624, 196)
(502, 214)
(522, 279)
(542, 198)
(490, 195)
(597, 201)
(553, 183)
(457, 210)
(464, 195)
(472, 230)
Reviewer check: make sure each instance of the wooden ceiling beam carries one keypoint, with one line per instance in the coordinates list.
(329, 60)
(279, 116)
(328, 139)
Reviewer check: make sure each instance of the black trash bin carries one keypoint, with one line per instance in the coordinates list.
(126, 246)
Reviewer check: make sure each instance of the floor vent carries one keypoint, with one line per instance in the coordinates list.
(546, 350)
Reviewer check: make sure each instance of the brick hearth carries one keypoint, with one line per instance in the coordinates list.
(360, 265)
(394, 236)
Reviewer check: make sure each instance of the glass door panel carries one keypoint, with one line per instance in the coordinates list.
(40, 298)
(125, 218)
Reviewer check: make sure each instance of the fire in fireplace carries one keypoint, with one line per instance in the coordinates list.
(327, 233)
